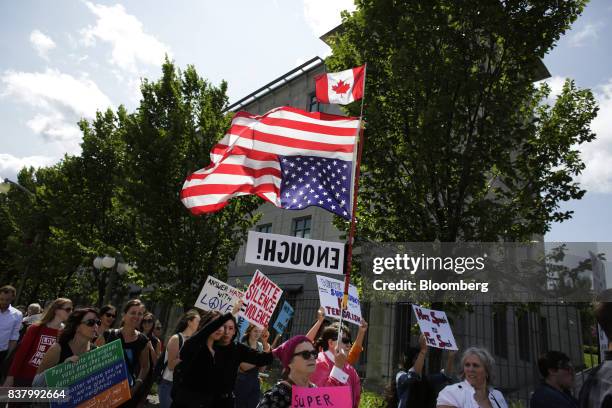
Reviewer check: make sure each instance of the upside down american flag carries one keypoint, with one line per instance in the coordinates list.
(292, 158)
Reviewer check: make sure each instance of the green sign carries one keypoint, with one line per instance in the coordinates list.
(92, 362)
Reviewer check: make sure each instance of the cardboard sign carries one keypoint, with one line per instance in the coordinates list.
(435, 327)
(305, 397)
(217, 295)
(98, 379)
(285, 314)
(260, 300)
(330, 294)
(295, 253)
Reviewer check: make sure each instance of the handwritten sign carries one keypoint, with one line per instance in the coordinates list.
(285, 314)
(98, 379)
(260, 300)
(218, 295)
(330, 294)
(295, 253)
(305, 397)
(435, 327)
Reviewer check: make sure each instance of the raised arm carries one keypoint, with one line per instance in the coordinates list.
(420, 360)
(357, 347)
(312, 333)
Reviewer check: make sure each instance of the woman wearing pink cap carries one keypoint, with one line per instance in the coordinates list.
(298, 357)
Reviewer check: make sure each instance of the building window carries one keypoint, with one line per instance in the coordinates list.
(267, 228)
(523, 337)
(301, 227)
(313, 104)
(500, 333)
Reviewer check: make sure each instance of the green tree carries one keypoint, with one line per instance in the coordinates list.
(460, 144)
(179, 119)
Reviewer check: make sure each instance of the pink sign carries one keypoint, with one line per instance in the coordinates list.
(304, 397)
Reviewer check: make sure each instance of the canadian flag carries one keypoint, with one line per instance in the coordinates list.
(341, 87)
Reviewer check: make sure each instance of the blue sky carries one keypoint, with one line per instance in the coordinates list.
(64, 59)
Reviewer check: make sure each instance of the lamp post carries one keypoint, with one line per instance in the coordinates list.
(116, 266)
(5, 186)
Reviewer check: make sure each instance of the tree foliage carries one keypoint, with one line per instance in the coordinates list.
(120, 196)
(460, 144)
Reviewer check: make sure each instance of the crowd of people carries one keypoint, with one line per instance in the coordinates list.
(204, 364)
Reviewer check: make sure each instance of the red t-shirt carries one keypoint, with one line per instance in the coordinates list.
(30, 351)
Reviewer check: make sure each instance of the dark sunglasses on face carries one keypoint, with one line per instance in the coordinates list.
(306, 355)
(147, 321)
(92, 322)
(68, 309)
(346, 340)
(114, 316)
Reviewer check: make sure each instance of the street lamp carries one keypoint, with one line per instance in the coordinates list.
(116, 266)
(6, 184)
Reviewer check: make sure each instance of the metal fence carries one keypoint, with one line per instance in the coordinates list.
(516, 335)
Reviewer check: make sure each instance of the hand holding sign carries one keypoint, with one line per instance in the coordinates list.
(237, 307)
(435, 328)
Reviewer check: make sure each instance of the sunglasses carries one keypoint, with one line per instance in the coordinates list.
(346, 340)
(92, 322)
(68, 309)
(114, 316)
(147, 321)
(307, 355)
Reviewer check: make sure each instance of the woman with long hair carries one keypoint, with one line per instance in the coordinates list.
(475, 389)
(146, 327)
(108, 316)
(185, 328)
(298, 358)
(75, 340)
(39, 337)
(135, 348)
(209, 367)
(247, 389)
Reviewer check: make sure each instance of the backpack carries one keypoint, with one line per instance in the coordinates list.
(162, 362)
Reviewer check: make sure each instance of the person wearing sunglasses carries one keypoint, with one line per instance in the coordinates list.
(557, 382)
(298, 358)
(75, 340)
(108, 317)
(39, 337)
(332, 368)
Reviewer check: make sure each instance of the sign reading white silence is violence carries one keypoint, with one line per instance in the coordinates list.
(435, 327)
(260, 300)
(217, 295)
(295, 253)
(330, 294)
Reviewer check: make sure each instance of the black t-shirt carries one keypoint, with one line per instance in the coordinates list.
(131, 351)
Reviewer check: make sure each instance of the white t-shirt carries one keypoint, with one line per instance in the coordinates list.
(461, 395)
(10, 323)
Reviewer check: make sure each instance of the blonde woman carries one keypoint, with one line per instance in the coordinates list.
(39, 337)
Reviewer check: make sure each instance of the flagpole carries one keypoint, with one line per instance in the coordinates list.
(351, 235)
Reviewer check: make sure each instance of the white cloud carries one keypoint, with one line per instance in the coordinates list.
(131, 46)
(590, 32)
(323, 15)
(597, 155)
(61, 99)
(42, 43)
(11, 165)
(556, 85)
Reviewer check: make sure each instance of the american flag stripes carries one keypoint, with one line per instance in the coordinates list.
(289, 157)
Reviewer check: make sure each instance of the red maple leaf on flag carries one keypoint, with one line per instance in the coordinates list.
(341, 87)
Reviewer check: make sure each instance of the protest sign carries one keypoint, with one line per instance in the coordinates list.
(260, 300)
(330, 294)
(282, 320)
(99, 378)
(217, 295)
(243, 325)
(435, 327)
(295, 253)
(306, 397)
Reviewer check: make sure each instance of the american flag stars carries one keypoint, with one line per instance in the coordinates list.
(316, 181)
